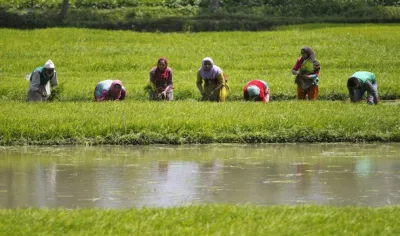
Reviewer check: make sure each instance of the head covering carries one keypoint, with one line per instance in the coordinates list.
(114, 93)
(162, 74)
(212, 73)
(253, 91)
(311, 55)
(49, 64)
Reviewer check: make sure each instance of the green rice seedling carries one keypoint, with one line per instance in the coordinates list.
(84, 57)
(205, 220)
(181, 122)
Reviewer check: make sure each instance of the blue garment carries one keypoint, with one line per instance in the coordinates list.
(102, 85)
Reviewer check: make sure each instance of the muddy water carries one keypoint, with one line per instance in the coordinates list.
(136, 176)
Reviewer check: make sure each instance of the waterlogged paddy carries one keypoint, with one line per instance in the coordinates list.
(136, 176)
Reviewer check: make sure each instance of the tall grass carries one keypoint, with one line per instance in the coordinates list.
(205, 220)
(195, 122)
(84, 57)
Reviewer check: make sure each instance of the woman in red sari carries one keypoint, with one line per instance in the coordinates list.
(161, 81)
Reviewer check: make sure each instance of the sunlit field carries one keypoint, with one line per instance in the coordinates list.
(205, 220)
(84, 57)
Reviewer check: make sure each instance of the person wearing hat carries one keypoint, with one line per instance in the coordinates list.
(41, 80)
(215, 82)
(256, 90)
(360, 82)
(109, 90)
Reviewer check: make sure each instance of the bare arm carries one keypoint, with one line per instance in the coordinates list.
(221, 83)
(169, 82)
(199, 83)
(372, 90)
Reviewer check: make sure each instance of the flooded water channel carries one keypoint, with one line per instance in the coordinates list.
(163, 176)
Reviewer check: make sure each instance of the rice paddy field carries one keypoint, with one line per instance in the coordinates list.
(84, 57)
(204, 220)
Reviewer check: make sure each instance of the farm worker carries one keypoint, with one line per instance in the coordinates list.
(41, 80)
(306, 71)
(109, 90)
(256, 90)
(360, 82)
(161, 81)
(215, 82)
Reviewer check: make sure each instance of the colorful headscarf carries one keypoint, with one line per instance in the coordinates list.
(253, 91)
(114, 93)
(162, 75)
(212, 73)
(311, 55)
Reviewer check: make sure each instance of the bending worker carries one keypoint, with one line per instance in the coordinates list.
(41, 81)
(360, 82)
(256, 90)
(109, 90)
(215, 82)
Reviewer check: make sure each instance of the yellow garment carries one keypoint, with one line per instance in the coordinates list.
(210, 85)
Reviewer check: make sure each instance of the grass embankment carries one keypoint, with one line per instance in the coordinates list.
(205, 220)
(183, 122)
(84, 57)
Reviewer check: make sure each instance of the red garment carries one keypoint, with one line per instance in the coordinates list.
(298, 64)
(264, 93)
(311, 93)
(162, 74)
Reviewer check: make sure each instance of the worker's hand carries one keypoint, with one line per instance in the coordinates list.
(161, 95)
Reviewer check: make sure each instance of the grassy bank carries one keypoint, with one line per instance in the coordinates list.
(196, 122)
(205, 220)
(84, 57)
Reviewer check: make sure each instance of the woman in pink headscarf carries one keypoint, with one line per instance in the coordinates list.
(161, 81)
(109, 90)
(215, 82)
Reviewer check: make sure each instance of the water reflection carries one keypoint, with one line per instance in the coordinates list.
(127, 176)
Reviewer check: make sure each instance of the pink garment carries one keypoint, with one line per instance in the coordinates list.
(115, 93)
(212, 73)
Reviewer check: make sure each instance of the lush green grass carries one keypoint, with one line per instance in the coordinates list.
(205, 220)
(84, 57)
(182, 122)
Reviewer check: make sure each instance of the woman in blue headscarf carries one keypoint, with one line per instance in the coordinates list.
(215, 83)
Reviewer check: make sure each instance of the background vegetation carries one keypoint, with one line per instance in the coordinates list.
(193, 15)
(205, 220)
